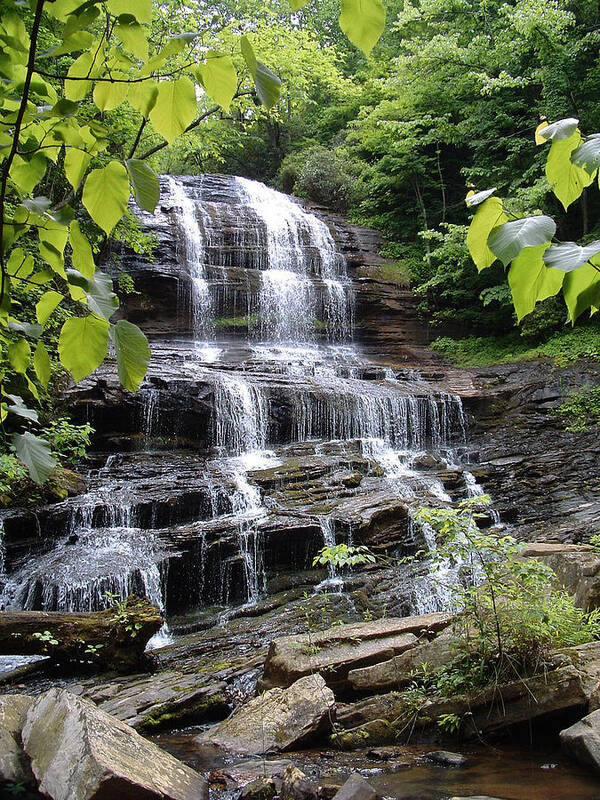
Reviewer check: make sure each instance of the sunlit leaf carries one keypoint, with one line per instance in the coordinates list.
(570, 256)
(46, 304)
(507, 241)
(531, 281)
(83, 344)
(556, 131)
(19, 355)
(581, 290)
(363, 22)
(42, 364)
(105, 194)
(219, 79)
(175, 108)
(142, 96)
(133, 354)
(145, 184)
(587, 155)
(566, 179)
(488, 216)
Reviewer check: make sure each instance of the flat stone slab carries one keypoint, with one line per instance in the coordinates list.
(582, 741)
(338, 650)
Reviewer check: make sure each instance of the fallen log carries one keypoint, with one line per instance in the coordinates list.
(114, 638)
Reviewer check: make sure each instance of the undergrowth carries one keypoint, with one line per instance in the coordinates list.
(563, 347)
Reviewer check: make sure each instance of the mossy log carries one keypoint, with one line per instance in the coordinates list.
(113, 638)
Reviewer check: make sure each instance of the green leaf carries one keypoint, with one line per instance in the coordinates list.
(141, 9)
(98, 292)
(219, 78)
(556, 131)
(488, 216)
(19, 355)
(567, 180)
(28, 328)
(531, 281)
(83, 344)
(581, 290)
(587, 155)
(477, 198)
(82, 257)
(175, 108)
(81, 40)
(83, 67)
(109, 95)
(133, 354)
(76, 163)
(248, 53)
(35, 453)
(570, 256)
(46, 305)
(42, 365)
(53, 239)
(20, 409)
(19, 265)
(298, 4)
(268, 85)
(105, 195)
(509, 239)
(142, 96)
(132, 36)
(27, 174)
(146, 187)
(363, 22)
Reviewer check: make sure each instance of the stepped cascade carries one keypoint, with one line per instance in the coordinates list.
(262, 433)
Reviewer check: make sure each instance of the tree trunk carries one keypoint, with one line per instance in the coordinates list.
(113, 638)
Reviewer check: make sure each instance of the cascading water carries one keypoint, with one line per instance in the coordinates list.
(243, 252)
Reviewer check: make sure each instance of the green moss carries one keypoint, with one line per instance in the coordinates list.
(581, 409)
(563, 347)
(207, 708)
(251, 321)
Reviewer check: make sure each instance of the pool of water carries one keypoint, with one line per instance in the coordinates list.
(507, 772)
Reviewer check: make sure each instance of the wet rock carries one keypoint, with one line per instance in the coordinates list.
(13, 763)
(296, 786)
(444, 758)
(168, 698)
(79, 752)
(278, 719)
(582, 741)
(344, 648)
(262, 788)
(396, 672)
(385, 753)
(577, 569)
(239, 775)
(356, 788)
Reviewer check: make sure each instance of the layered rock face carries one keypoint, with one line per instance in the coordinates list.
(264, 431)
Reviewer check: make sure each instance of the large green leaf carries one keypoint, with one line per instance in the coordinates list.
(82, 257)
(175, 108)
(46, 305)
(363, 22)
(109, 95)
(42, 365)
(219, 78)
(27, 174)
(141, 9)
(268, 85)
(133, 354)
(507, 241)
(98, 291)
(570, 256)
(53, 238)
(85, 66)
(556, 131)
(142, 96)
(132, 36)
(35, 453)
(76, 163)
(249, 56)
(488, 216)
(566, 179)
(531, 281)
(581, 290)
(477, 198)
(587, 155)
(106, 193)
(83, 344)
(146, 187)
(19, 355)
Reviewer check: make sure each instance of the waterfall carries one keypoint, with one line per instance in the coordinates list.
(258, 382)
(192, 252)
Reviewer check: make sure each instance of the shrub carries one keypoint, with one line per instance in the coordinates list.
(70, 442)
(322, 178)
(581, 410)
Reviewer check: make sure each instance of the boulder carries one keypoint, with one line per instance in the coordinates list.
(444, 758)
(356, 788)
(262, 788)
(577, 569)
(582, 741)
(13, 764)
(339, 650)
(396, 672)
(240, 775)
(296, 786)
(277, 720)
(78, 752)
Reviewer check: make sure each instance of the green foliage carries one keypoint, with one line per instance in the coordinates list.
(343, 555)
(12, 473)
(581, 409)
(322, 178)
(563, 347)
(512, 618)
(68, 441)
